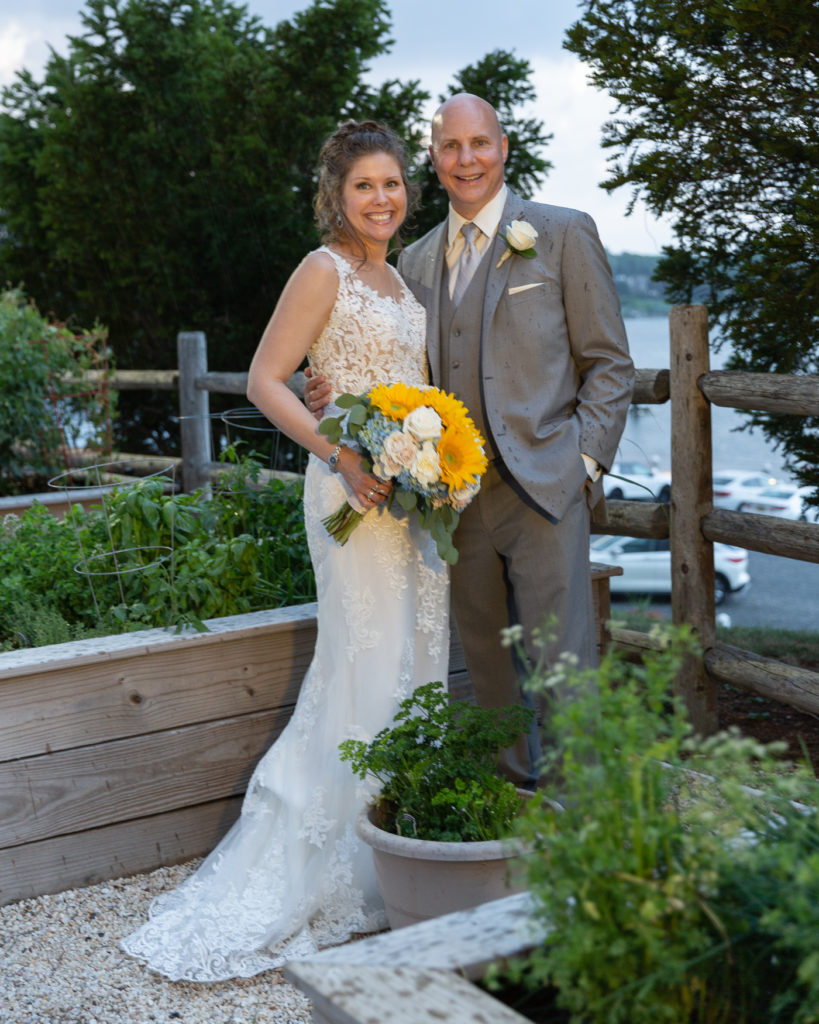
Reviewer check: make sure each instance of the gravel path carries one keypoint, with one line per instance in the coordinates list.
(60, 964)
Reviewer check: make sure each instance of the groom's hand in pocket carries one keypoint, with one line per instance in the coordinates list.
(316, 392)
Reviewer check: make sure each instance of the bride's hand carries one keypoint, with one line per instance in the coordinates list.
(366, 488)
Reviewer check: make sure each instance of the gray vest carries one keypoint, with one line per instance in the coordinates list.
(461, 346)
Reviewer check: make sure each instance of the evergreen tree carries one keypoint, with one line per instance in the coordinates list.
(161, 176)
(718, 126)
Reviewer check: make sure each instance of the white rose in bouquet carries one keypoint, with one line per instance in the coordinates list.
(424, 424)
(425, 467)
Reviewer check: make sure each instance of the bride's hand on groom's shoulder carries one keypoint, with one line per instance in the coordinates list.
(316, 392)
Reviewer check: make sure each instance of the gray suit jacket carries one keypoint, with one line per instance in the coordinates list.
(555, 370)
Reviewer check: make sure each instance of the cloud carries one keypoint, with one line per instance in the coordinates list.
(574, 111)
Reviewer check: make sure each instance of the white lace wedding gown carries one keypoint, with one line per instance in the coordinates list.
(291, 875)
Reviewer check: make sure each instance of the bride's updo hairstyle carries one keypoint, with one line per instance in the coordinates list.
(348, 143)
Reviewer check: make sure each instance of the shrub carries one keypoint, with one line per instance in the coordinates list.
(35, 356)
(682, 878)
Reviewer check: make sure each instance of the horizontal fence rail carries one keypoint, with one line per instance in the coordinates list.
(691, 521)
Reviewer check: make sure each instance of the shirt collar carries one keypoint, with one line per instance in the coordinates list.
(488, 217)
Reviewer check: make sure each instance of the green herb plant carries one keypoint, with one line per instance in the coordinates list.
(144, 558)
(682, 878)
(437, 767)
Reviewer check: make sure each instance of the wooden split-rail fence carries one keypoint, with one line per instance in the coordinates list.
(121, 754)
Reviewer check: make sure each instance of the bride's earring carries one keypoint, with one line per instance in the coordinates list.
(339, 221)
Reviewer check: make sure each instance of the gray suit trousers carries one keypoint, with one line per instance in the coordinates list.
(518, 565)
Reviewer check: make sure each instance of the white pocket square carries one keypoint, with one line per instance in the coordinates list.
(525, 287)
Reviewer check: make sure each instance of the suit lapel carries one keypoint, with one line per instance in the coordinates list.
(498, 276)
(432, 270)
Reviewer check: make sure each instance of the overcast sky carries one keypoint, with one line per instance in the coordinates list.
(433, 40)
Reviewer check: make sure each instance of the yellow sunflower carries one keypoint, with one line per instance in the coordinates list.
(460, 457)
(452, 411)
(395, 401)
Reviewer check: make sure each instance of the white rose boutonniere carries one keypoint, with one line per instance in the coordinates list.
(520, 238)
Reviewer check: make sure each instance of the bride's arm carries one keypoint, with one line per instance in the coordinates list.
(298, 319)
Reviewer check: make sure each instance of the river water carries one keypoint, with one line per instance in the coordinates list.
(647, 436)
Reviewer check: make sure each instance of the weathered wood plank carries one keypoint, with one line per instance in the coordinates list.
(359, 995)
(788, 684)
(466, 941)
(90, 691)
(765, 392)
(75, 790)
(114, 851)
(772, 535)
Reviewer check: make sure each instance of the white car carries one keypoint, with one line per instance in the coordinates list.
(637, 482)
(732, 487)
(784, 500)
(646, 565)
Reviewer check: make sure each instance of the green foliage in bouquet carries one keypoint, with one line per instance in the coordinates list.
(437, 767)
(683, 876)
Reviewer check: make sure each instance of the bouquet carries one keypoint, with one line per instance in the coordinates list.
(424, 440)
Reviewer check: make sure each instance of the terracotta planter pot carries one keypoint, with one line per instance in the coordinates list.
(419, 879)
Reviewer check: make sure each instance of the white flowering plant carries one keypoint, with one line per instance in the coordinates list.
(437, 766)
(423, 440)
(520, 238)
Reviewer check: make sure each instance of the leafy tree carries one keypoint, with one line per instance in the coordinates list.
(161, 176)
(503, 80)
(717, 124)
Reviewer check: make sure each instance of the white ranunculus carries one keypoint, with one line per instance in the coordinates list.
(424, 424)
(398, 452)
(521, 235)
(425, 466)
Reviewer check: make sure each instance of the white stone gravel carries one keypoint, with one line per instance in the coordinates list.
(60, 963)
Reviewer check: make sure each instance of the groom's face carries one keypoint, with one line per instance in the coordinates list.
(468, 152)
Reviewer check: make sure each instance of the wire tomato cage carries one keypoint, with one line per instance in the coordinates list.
(101, 483)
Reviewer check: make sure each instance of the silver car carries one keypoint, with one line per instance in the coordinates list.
(646, 565)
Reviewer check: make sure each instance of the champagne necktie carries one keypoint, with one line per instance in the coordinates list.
(469, 260)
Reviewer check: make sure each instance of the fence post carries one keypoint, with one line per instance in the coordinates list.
(692, 556)
(194, 410)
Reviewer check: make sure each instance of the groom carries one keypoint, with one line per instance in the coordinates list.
(536, 349)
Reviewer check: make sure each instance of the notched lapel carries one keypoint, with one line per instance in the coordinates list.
(499, 276)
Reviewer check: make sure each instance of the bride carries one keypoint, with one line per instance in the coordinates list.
(291, 875)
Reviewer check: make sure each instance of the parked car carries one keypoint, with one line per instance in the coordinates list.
(784, 500)
(646, 565)
(637, 482)
(732, 487)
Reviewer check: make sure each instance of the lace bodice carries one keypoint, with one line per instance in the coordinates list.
(370, 338)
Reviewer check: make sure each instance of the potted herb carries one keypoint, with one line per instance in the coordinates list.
(440, 823)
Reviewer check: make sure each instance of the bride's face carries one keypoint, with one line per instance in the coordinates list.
(374, 198)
